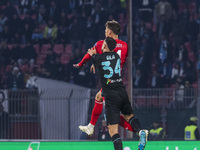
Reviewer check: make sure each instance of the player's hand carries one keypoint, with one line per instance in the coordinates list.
(76, 65)
(92, 69)
(92, 51)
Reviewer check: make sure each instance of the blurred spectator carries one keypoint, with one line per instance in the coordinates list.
(111, 7)
(103, 134)
(89, 33)
(165, 50)
(163, 7)
(53, 11)
(9, 11)
(177, 71)
(198, 61)
(15, 81)
(50, 32)
(15, 53)
(72, 5)
(50, 59)
(63, 20)
(42, 15)
(15, 25)
(57, 70)
(156, 80)
(63, 34)
(36, 36)
(179, 94)
(192, 28)
(138, 81)
(157, 133)
(75, 35)
(146, 10)
(163, 27)
(182, 54)
(27, 55)
(165, 70)
(4, 123)
(32, 82)
(5, 56)
(87, 6)
(191, 131)
(188, 94)
(3, 20)
(27, 32)
(189, 72)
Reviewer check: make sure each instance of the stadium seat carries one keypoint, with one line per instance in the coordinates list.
(65, 58)
(44, 48)
(40, 59)
(37, 48)
(58, 48)
(68, 48)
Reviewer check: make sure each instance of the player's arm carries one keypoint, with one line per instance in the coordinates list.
(85, 59)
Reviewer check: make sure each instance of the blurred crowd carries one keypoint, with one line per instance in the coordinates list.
(165, 43)
(44, 38)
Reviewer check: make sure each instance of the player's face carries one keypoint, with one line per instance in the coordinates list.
(103, 46)
(107, 32)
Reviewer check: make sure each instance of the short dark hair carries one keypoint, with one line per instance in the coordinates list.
(114, 26)
(111, 43)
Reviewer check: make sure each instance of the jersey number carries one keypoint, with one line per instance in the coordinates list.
(106, 66)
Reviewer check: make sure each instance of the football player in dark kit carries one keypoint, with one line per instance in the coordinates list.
(114, 92)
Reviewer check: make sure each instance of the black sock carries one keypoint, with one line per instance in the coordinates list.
(135, 123)
(117, 142)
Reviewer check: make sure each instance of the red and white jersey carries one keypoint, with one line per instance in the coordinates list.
(121, 49)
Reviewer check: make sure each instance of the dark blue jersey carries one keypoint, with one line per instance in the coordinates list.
(108, 66)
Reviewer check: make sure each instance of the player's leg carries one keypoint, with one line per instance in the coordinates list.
(113, 131)
(112, 112)
(134, 122)
(123, 123)
(96, 112)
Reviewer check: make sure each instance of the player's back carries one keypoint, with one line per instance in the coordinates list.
(121, 49)
(108, 65)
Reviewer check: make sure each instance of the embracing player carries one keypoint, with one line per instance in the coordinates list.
(112, 30)
(114, 92)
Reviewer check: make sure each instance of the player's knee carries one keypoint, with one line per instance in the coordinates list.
(99, 97)
(112, 130)
(128, 117)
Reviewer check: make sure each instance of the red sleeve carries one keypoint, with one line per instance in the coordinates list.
(85, 59)
(87, 56)
(124, 54)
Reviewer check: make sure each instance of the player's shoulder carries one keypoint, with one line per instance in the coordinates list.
(100, 42)
(121, 43)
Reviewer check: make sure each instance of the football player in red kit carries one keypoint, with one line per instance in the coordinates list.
(112, 30)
